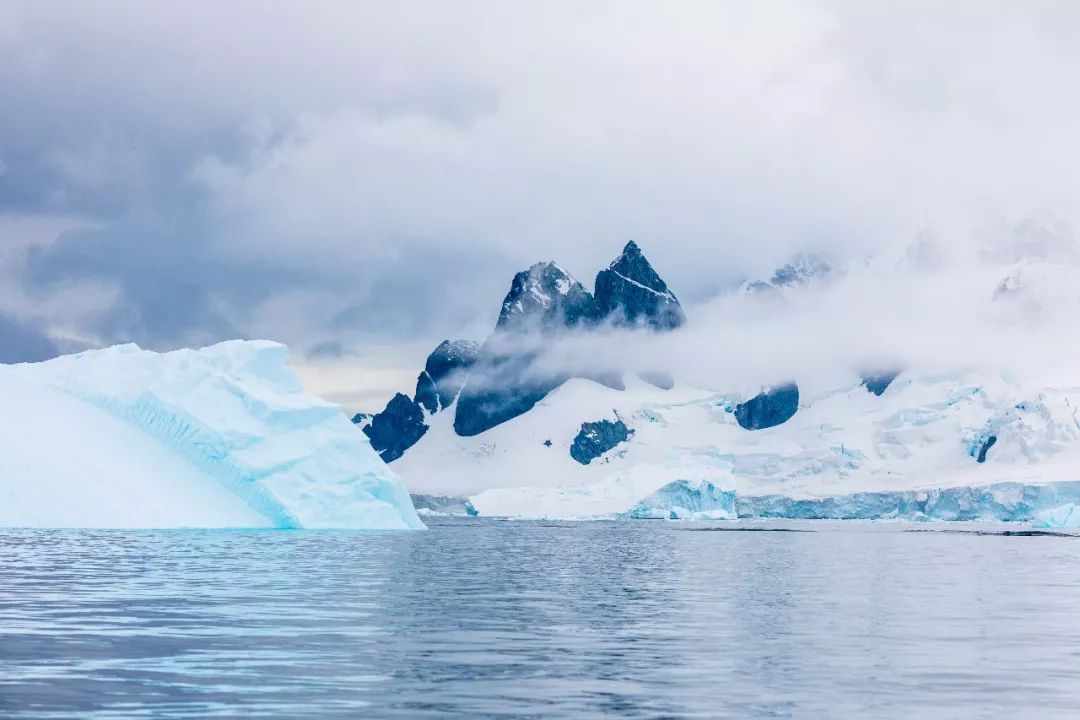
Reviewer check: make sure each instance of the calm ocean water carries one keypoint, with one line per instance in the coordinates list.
(544, 620)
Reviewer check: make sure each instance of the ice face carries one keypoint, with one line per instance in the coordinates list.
(236, 415)
(686, 500)
(1009, 502)
(701, 499)
(1066, 516)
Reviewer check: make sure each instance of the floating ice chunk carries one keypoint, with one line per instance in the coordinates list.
(1066, 516)
(447, 505)
(686, 500)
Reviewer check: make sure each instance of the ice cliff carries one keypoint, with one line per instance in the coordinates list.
(223, 436)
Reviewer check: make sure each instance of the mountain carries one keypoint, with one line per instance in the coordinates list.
(960, 446)
(629, 293)
(403, 421)
(544, 298)
(528, 436)
(502, 379)
(543, 302)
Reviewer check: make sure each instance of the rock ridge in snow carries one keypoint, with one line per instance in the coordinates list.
(543, 302)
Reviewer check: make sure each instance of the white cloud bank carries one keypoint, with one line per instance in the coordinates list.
(383, 170)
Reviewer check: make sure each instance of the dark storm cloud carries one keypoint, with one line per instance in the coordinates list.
(20, 342)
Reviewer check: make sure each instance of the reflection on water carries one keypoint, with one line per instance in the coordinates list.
(573, 620)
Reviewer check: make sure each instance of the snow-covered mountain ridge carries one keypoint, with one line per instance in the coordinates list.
(922, 434)
(619, 440)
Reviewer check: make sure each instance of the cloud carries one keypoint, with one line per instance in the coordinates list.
(1006, 308)
(374, 174)
(20, 342)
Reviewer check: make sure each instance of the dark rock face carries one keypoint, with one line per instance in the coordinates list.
(986, 448)
(505, 381)
(596, 438)
(544, 298)
(543, 301)
(877, 383)
(397, 428)
(402, 423)
(630, 293)
(500, 388)
(444, 373)
(768, 408)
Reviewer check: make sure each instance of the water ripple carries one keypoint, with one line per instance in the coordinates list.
(563, 620)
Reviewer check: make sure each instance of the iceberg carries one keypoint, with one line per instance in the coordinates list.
(223, 436)
(686, 500)
(444, 505)
(1066, 516)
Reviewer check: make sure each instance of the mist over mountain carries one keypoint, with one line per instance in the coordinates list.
(507, 375)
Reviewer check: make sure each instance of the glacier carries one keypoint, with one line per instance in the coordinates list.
(1003, 502)
(223, 436)
(702, 500)
(919, 450)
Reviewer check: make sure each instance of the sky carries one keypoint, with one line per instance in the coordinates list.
(362, 180)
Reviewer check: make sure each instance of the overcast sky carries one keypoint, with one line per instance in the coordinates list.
(362, 179)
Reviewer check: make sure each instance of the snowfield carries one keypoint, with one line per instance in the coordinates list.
(218, 437)
(912, 452)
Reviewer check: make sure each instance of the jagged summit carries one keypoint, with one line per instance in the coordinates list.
(631, 263)
(630, 292)
(503, 379)
(544, 297)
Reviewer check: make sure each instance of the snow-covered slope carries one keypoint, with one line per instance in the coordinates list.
(875, 456)
(218, 437)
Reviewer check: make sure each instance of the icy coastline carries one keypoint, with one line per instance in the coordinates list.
(1050, 505)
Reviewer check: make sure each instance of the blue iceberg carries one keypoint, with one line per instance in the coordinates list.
(224, 436)
(1066, 516)
(686, 500)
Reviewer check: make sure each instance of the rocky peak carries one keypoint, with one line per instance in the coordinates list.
(630, 292)
(444, 373)
(545, 297)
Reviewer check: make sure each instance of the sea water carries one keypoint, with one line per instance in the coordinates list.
(487, 618)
